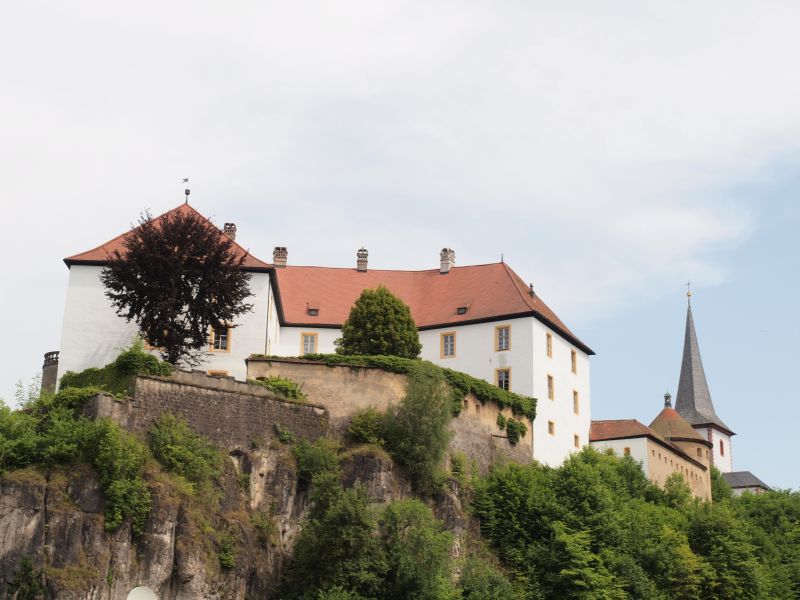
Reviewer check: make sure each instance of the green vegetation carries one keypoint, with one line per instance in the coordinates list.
(26, 583)
(367, 426)
(313, 459)
(281, 386)
(460, 384)
(515, 430)
(182, 451)
(228, 542)
(284, 435)
(379, 324)
(116, 377)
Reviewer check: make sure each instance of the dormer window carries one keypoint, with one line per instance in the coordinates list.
(313, 312)
(461, 310)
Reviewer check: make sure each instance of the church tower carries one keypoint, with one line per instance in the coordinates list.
(694, 400)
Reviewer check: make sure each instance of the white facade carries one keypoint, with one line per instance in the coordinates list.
(721, 451)
(637, 446)
(93, 335)
(529, 364)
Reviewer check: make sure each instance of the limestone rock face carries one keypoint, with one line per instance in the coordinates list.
(54, 517)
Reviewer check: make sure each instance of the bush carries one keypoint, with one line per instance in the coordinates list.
(515, 430)
(481, 580)
(416, 430)
(228, 542)
(284, 435)
(116, 377)
(315, 458)
(379, 324)
(367, 426)
(119, 460)
(501, 421)
(182, 451)
(282, 386)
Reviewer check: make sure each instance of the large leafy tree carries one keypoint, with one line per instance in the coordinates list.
(177, 277)
(379, 323)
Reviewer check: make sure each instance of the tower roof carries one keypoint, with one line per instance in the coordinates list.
(694, 400)
(671, 426)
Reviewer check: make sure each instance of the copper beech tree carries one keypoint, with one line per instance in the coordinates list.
(177, 277)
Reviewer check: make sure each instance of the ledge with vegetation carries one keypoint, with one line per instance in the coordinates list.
(460, 384)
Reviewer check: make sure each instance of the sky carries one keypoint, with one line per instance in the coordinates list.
(610, 152)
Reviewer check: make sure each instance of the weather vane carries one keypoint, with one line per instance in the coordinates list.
(186, 191)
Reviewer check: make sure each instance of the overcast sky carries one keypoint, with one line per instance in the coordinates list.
(610, 151)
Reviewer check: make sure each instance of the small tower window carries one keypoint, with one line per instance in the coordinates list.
(551, 388)
(721, 448)
(576, 403)
(574, 358)
(551, 427)
(576, 440)
(699, 453)
(550, 345)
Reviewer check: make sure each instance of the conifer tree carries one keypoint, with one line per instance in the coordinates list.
(178, 277)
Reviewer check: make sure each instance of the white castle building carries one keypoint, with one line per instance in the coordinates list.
(479, 319)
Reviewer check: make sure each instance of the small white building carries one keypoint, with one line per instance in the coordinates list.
(479, 319)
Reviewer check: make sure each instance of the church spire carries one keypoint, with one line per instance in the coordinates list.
(693, 401)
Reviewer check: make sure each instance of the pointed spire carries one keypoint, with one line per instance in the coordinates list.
(693, 401)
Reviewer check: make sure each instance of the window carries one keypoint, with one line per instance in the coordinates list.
(447, 345)
(461, 310)
(653, 452)
(699, 453)
(576, 403)
(218, 373)
(721, 448)
(576, 441)
(550, 345)
(626, 451)
(551, 428)
(313, 312)
(220, 338)
(503, 378)
(309, 343)
(551, 388)
(574, 356)
(502, 337)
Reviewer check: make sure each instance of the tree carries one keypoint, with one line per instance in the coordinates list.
(178, 277)
(381, 324)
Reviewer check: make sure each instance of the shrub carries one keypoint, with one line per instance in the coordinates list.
(480, 580)
(379, 324)
(119, 459)
(367, 426)
(264, 527)
(314, 458)
(284, 435)
(182, 451)
(26, 583)
(228, 542)
(501, 421)
(282, 386)
(515, 430)
(416, 430)
(116, 377)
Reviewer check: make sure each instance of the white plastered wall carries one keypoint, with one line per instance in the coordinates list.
(553, 449)
(638, 449)
(93, 335)
(723, 462)
(291, 341)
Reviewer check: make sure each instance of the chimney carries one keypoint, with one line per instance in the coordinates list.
(279, 256)
(448, 260)
(230, 230)
(50, 372)
(361, 262)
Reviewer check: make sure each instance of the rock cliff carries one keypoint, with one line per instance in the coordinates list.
(232, 543)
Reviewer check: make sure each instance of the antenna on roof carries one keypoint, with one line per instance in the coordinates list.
(186, 191)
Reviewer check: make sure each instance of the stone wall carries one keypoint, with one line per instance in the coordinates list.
(345, 390)
(232, 414)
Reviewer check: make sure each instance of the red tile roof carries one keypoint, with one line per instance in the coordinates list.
(491, 292)
(99, 255)
(619, 429)
(670, 425)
